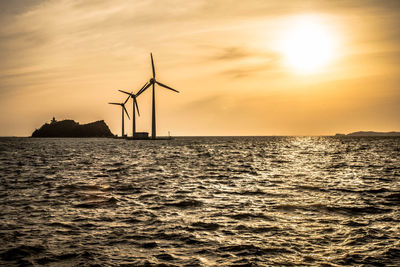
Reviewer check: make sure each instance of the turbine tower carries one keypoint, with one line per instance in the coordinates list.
(123, 110)
(153, 81)
(133, 96)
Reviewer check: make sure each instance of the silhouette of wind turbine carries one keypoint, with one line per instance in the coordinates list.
(133, 96)
(123, 109)
(153, 81)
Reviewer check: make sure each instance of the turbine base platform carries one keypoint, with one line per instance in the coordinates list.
(138, 136)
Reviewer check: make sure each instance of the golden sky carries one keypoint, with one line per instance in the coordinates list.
(243, 67)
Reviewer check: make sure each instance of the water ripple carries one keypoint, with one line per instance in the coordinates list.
(215, 201)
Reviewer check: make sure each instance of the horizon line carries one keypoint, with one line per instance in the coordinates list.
(179, 136)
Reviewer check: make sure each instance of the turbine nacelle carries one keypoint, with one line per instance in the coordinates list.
(153, 81)
(122, 106)
(133, 96)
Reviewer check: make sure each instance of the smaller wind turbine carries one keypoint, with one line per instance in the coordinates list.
(153, 81)
(123, 110)
(133, 96)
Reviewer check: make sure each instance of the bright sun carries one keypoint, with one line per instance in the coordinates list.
(308, 45)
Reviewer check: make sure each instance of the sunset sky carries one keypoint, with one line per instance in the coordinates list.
(253, 67)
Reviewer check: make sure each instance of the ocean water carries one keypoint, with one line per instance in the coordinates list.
(223, 201)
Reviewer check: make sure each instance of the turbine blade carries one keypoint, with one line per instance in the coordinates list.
(152, 65)
(125, 92)
(126, 111)
(165, 86)
(137, 107)
(127, 100)
(115, 104)
(143, 89)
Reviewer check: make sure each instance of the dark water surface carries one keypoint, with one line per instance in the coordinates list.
(240, 201)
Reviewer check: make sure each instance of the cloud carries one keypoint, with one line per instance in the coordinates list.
(269, 63)
(245, 71)
(14, 7)
(231, 53)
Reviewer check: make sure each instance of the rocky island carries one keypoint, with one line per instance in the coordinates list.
(370, 133)
(70, 128)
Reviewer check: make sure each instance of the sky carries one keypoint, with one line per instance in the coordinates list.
(253, 67)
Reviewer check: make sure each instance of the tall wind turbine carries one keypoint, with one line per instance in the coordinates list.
(153, 81)
(123, 110)
(133, 96)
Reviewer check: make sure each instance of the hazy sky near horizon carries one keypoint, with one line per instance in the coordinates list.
(242, 67)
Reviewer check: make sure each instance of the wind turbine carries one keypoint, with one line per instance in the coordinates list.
(153, 81)
(133, 96)
(123, 109)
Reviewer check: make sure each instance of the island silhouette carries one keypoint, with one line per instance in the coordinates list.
(370, 133)
(70, 128)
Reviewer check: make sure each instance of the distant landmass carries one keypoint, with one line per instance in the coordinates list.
(70, 128)
(370, 133)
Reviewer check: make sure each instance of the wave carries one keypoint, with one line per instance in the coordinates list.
(188, 203)
(248, 216)
(21, 252)
(205, 226)
(110, 202)
(345, 210)
(258, 230)
(249, 249)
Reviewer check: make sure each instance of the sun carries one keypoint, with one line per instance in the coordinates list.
(308, 45)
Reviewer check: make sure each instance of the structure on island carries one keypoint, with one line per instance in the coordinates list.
(152, 82)
(70, 128)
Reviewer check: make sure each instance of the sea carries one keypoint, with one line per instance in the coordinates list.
(200, 201)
